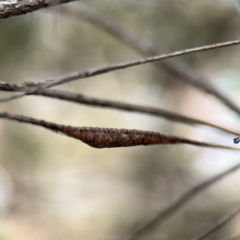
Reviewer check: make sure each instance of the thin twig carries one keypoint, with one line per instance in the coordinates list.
(20, 7)
(160, 217)
(112, 137)
(103, 70)
(221, 222)
(129, 37)
(92, 101)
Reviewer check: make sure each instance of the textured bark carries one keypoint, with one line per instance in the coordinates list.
(9, 9)
(111, 137)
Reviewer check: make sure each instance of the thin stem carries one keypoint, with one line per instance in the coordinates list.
(97, 102)
(220, 223)
(160, 217)
(130, 38)
(92, 101)
(103, 70)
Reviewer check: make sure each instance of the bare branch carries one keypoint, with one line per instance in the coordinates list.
(14, 87)
(20, 7)
(220, 223)
(92, 101)
(128, 36)
(83, 99)
(160, 217)
(103, 70)
(111, 137)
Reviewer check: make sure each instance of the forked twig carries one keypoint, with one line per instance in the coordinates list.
(160, 217)
(221, 222)
(111, 137)
(92, 101)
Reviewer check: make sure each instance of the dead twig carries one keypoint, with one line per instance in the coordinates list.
(103, 70)
(129, 37)
(20, 7)
(160, 217)
(111, 137)
(220, 223)
(97, 102)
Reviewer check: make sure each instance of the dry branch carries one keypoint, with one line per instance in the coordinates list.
(129, 37)
(20, 7)
(111, 137)
(103, 70)
(220, 223)
(97, 102)
(160, 217)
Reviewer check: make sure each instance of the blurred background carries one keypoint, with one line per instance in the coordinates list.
(53, 187)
